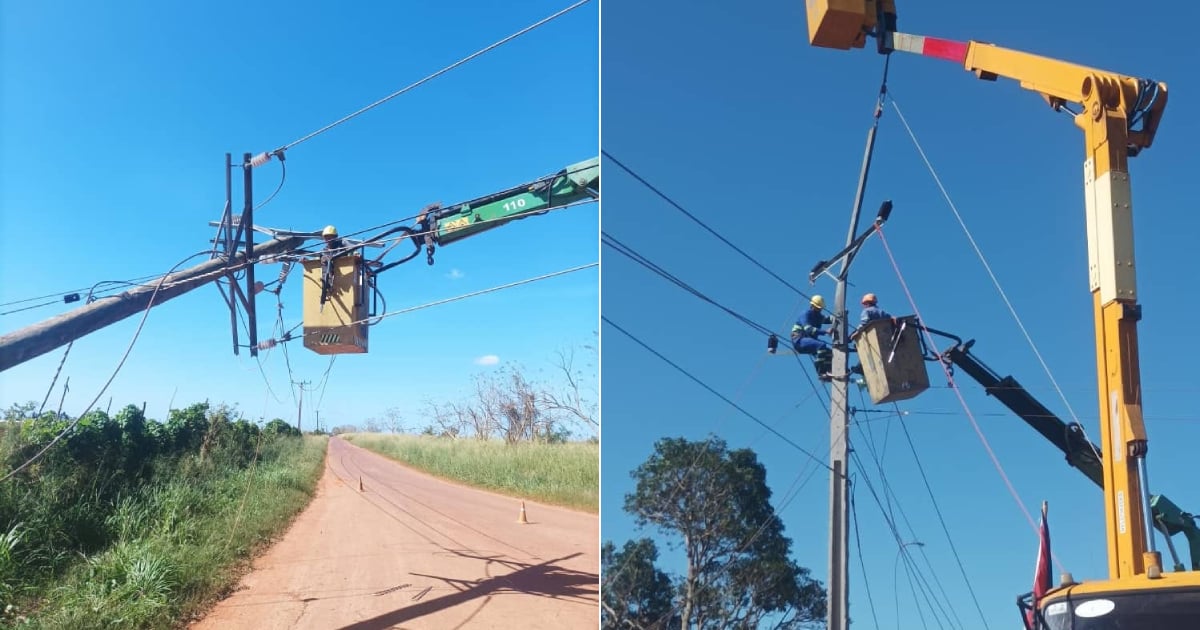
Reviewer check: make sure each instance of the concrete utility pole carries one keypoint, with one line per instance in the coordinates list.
(38, 339)
(839, 412)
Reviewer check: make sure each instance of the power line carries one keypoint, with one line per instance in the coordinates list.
(702, 224)
(633, 255)
(891, 498)
(938, 510)
(861, 562)
(432, 76)
(61, 298)
(983, 259)
(895, 531)
(120, 364)
(273, 342)
(958, 392)
(714, 392)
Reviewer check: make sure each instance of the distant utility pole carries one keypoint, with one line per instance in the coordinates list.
(300, 403)
(38, 339)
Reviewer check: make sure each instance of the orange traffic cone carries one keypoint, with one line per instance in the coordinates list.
(522, 519)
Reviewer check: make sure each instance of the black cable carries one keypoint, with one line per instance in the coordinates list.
(58, 295)
(433, 76)
(630, 253)
(30, 308)
(895, 530)
(714, 392)
(937, 510)
(702, 224)
(890, 496)
(137, 333)
(862, 563)
(282, 178)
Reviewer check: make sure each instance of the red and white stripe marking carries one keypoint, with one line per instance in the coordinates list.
(947, 49)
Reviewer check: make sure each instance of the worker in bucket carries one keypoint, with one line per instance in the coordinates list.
(332, 241)
(871, 310)
(806, 335)
(870, 313)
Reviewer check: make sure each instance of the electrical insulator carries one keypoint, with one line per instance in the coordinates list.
(267, 345)
(260, 159)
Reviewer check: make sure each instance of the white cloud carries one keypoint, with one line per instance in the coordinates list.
(455, 274)
(487, 359)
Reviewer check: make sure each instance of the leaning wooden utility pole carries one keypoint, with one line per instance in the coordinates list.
(38, 339)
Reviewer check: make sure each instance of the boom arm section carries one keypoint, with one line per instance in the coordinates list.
(575, 183)
(1059, 82)
(1069, 438)
(1072, 441)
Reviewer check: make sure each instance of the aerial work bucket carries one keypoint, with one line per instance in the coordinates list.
(893, 359)
(339, 324)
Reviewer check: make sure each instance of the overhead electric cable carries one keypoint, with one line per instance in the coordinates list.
(702, 224)
(430, 77)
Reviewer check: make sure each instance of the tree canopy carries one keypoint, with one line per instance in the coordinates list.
(714, 504)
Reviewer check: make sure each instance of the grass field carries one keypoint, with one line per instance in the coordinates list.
(558, 474)
(180, 543)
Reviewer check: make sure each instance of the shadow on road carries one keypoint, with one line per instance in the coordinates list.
(545, 579)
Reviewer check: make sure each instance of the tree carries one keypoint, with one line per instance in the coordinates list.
(394, 420)
(715, 504)
(578, 395)
(636, 594)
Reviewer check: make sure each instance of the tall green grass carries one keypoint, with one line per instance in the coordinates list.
(560, 474)
(159, 550)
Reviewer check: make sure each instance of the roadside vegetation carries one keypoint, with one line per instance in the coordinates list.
(513, 435)
(566, 474)
(133, 523)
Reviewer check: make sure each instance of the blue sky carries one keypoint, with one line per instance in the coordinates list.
(729, 111)
(116, 119)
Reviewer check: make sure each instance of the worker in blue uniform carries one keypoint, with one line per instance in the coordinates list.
(806, 335)
(870, 312)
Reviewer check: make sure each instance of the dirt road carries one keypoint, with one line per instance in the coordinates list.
(410, 551)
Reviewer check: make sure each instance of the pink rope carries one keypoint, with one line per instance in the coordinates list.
(950, 378)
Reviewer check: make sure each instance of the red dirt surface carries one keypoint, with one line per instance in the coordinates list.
(412, 551)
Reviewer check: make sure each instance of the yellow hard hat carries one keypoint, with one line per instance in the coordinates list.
(869, 298)
(329, 231)
(817, 302)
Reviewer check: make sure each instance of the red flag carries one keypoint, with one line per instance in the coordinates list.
(1041, 575)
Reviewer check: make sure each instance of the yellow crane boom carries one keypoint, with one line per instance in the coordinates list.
(1119, 116)
(1111, 105)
